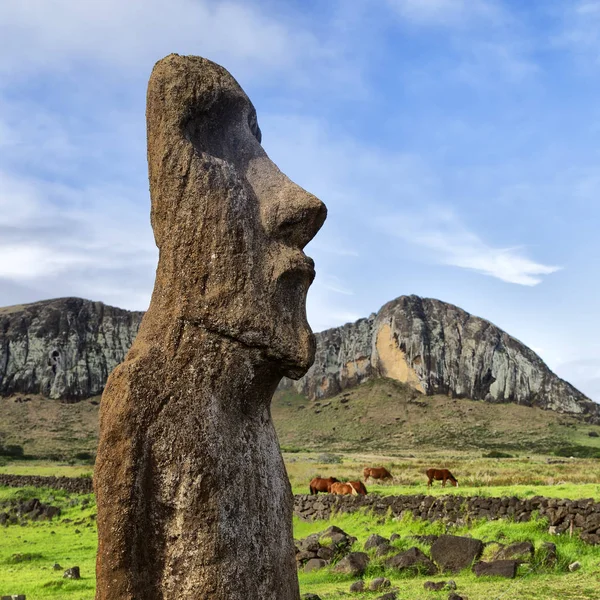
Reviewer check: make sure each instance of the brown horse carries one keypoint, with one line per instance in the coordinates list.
(318, 484)
(359, 486)
(376, 473)
(343, 489)
(441, 474)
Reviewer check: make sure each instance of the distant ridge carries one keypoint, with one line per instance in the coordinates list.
(438, 348)
(65, 348)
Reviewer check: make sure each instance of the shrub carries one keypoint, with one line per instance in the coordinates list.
(330, 459)
(577, 451)
(497, 454)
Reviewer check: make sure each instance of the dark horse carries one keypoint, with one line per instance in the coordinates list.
(319, 484)
(442, 474)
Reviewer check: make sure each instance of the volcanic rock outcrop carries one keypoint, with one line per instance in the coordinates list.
(193, 498)
(437, 348)
(63, 348)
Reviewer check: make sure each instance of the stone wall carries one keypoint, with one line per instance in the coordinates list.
(75, 485)
(584, 515)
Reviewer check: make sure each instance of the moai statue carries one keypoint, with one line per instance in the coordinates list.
(193, 496)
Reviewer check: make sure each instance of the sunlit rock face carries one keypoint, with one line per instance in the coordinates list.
(437, 348)
(63, 348)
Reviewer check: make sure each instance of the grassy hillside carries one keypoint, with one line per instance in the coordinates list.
(381, 416)
(385, 415)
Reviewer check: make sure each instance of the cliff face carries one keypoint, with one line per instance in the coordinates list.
(438, 349)
(66, 348)
(63, 348)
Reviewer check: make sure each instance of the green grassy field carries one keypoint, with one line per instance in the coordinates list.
(28, 553)
(382, 416)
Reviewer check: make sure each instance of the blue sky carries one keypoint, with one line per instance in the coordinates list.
(456, 144)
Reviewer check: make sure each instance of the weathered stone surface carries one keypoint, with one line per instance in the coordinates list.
(354, 563)
(453, 553)
(357, 586)
(314, 564)
(193, 497)
(379, 583)
(521, 551)
(375, 540)
(438, 348)
(413, 560)
(496, 568)
(72, 573)
(63, 348)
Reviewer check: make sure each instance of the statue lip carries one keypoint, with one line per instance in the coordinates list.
(299, 264)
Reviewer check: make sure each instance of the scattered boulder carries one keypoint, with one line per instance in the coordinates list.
(453, 553)
(57, 567)
(434, 586)
(314, 564)
(375, 540)
(379, 584)
(549, 554)
(358, 586)
(388, 596)
(310, 597)
(453, 596)
(496, 568)
(520, 551)
(354, 563)
(593, 434)
(394, 537)
(412, 559)
(72, 573)
(575, 566)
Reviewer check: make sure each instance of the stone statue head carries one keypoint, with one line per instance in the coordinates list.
(229, 225)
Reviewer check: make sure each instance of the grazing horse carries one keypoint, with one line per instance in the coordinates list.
(318, 484)
(343, 489)
(376, 473)
(359, 486)
(442, 474)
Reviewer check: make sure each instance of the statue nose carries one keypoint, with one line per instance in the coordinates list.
(288, 212)
(295, 216)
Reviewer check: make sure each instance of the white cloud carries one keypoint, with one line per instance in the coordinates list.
(449, 242)
(37, 34)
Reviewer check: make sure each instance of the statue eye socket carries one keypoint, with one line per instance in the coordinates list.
(254, 128)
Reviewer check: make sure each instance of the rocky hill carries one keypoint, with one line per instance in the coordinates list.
(437, 348)
(63, 348)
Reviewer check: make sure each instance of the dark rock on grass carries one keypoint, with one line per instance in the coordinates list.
(549, 555)
(310, 597)
(453, 596)
(353, 564)
(72, 573)
(394, 537)
(453, 553)
(325, 553)
(375, 540)
(57, 567)
(496, 568)
(521, 551)
(413, 560)
(434, 586)
(358, 586)
(425, 539)
(383, 550)
(314, 564)
(388, 596)
(379, 584)
(309, 544)
(303, 557)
